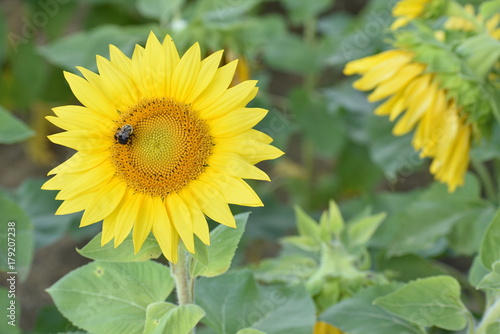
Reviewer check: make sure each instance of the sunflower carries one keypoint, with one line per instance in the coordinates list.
(324, 328)
(161, 142)
(408, 10)
(416, 101)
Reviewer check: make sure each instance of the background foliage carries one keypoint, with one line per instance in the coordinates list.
(350, 267)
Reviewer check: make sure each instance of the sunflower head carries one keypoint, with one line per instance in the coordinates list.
(162, 142)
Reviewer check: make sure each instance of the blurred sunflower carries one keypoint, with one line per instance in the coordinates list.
(161, 143)
(324, 328)
(442, 132)
(408, 10)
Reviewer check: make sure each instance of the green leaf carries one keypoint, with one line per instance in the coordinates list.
(249, 331)
(489, 8)
(163, 11)
(490, 245)
(16, 238)
(201, 251)
(123, 253)
(360, 231)
(307, 226)
(477, 271)
(392, 154)
(12, 130)
(11, 308)
(108, 298)
(50, 320)
(418, 226)
(331, 222)
(223, 243)
(289, 269)
(408, 267)
(301, 11)
(493, 328)
(491, 280)
(80, 49)
(304, 243)
(234, 301)
(433, 301)
(358, 315)
(163, 317)
(323, 127)
(41, 206)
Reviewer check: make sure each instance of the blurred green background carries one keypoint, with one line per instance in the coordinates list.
(335, 148)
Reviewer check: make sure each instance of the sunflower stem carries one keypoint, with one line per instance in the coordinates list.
(180, 272)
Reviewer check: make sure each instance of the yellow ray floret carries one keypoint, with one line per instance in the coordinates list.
(415, 101)
(162, 143)
(406, 11)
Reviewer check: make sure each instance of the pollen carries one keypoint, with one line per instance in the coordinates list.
(168, 148)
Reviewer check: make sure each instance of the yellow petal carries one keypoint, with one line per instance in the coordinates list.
(90, 97)
(249, 134)
(180, 218)
(363, 65)
(236, 122)
(200, 225)
(81, 118)
(222, 78)
(80, 162)
(82, 140)
(172, 60)
(153, 68)
(109, 227)
(234, 190)
(235, 165)
(208, 69)
(212, 203)
(104, 202)
(186, 74)
(398, 81)
(233, 98)
(382, 71)
(163, 231)
(251, 150)
(129, 209)
(144, 223)
(76, 204)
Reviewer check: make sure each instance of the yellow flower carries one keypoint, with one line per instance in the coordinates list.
(161, 143)
(323, 328)
(442, 132)
(462, 24)
(407, 10)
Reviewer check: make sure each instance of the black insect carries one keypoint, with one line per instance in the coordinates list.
(123, 134)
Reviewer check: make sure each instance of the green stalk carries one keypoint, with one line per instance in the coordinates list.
(491, 315)
(486, 180)
(183, 282)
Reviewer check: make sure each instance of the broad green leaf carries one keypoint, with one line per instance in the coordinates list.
(289, 269)
(491, 280)
(360, 231)
(249, 331)
(108, 297)
(201, 251)
(433, 301)
(358, 314)
(11, 308)
(163, 317)
(493, 328)
(80, 49)
(12, 130)
(16, 239)
(394, 155)
(41, 206)
(123, 253)
(490, 245)
(223, 243)
(50, 320)
(307, 226)
(408, 267)
(477, 271)
(418, 226)
(234, 301)
(304, 243)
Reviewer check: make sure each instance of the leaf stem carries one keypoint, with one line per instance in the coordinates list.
(486, 180)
